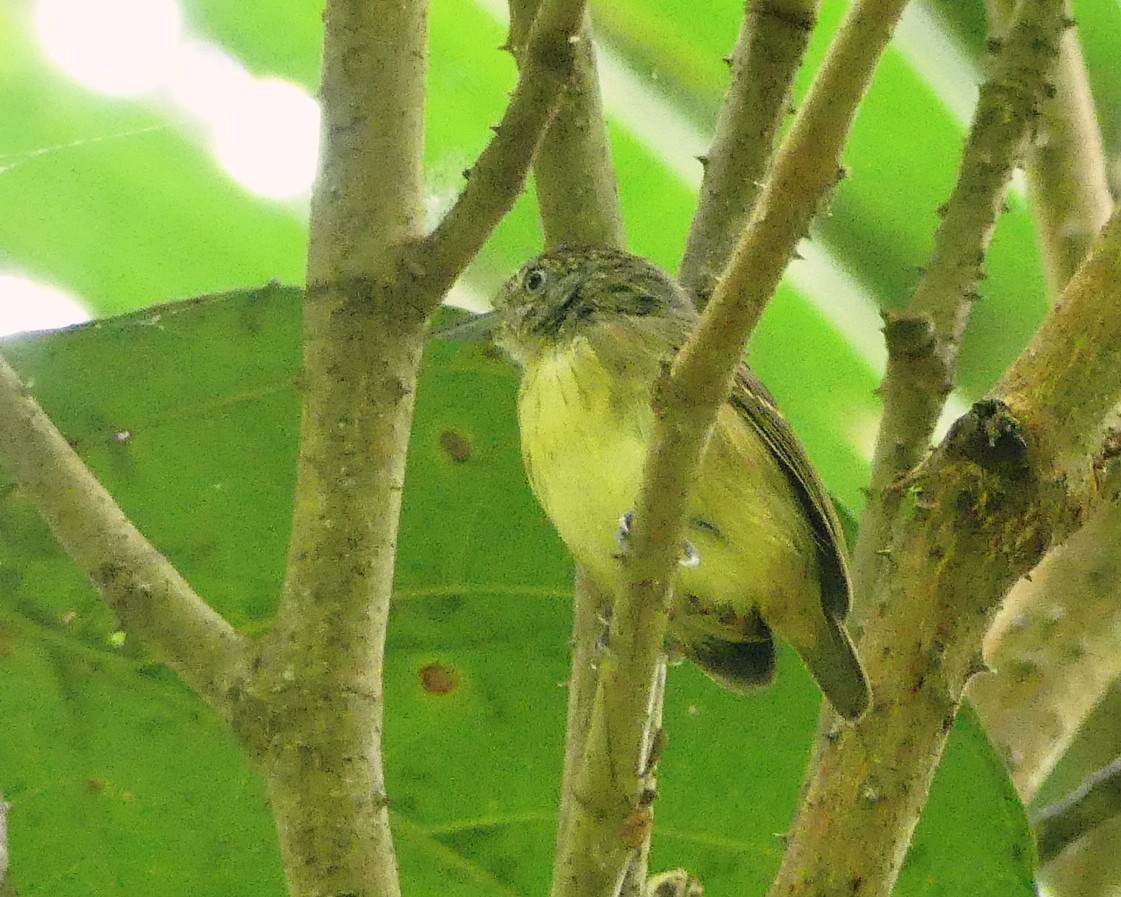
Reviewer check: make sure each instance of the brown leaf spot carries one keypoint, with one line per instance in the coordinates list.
(456, 445)
(438, 678)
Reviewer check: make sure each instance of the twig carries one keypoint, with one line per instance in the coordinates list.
(147, 594)
(1097, 800)
(1066, 167)
(609, 822)
(591, 607)
(805, 168)
(638, 870)
(923, 342)
(6, 886)
(609, 782)
(771, 44)
(573, 173)
(497, 177)
(578, 201)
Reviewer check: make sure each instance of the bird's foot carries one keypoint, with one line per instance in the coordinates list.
(690, 557)
(623, 533)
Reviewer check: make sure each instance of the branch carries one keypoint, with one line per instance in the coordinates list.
(591, 607)
(373, 281)
(1097, 800)
(1003, 487)
(1056, 642)
(611, 818)
(7, 888)
(575, 179)
(1066, 166)
(498, 176)
(578, 200)
(923, 342)
(805, 168)
(1055, 647)
(313, 718)
(148, 596)
(770, 47)
(1063, 384)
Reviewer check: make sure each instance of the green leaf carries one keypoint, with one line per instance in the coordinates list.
(121, 782)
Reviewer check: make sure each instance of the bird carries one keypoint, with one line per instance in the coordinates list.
(592, 329)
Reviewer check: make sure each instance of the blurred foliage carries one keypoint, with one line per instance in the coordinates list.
(118, 778)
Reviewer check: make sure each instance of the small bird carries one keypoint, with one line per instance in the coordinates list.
(592, 328)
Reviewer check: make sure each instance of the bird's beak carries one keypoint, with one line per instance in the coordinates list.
(472, 329)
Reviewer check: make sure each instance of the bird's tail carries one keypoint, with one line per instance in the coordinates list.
(833, 662)
(737, 666)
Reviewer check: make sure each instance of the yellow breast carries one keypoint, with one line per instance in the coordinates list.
(584, 434)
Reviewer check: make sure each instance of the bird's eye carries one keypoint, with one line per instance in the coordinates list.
(534, 280)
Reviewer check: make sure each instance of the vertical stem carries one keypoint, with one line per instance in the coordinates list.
(923, 341)
(321, 669)
(1066, 168)
(578, 200)
(576, 188)
(771, 44)
(591, 605)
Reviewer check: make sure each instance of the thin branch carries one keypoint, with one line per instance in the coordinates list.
(771, 44)
(591, 607)
(146, 593)
(806, 166)
(636, 882)
(612, 817)
(1055, 648)
(578, 199)
(1068, 186)
(498, 176)
(923, 342)
(1066, 166)
(1097, 800)
(7, 888)
(575, 178)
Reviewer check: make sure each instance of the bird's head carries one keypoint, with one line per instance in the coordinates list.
(571, 291)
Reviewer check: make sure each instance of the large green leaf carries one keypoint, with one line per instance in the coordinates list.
(121, 782)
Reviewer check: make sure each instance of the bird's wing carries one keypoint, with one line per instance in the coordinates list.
(751, 398)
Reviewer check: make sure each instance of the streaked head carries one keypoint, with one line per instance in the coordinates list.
(565, 291)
